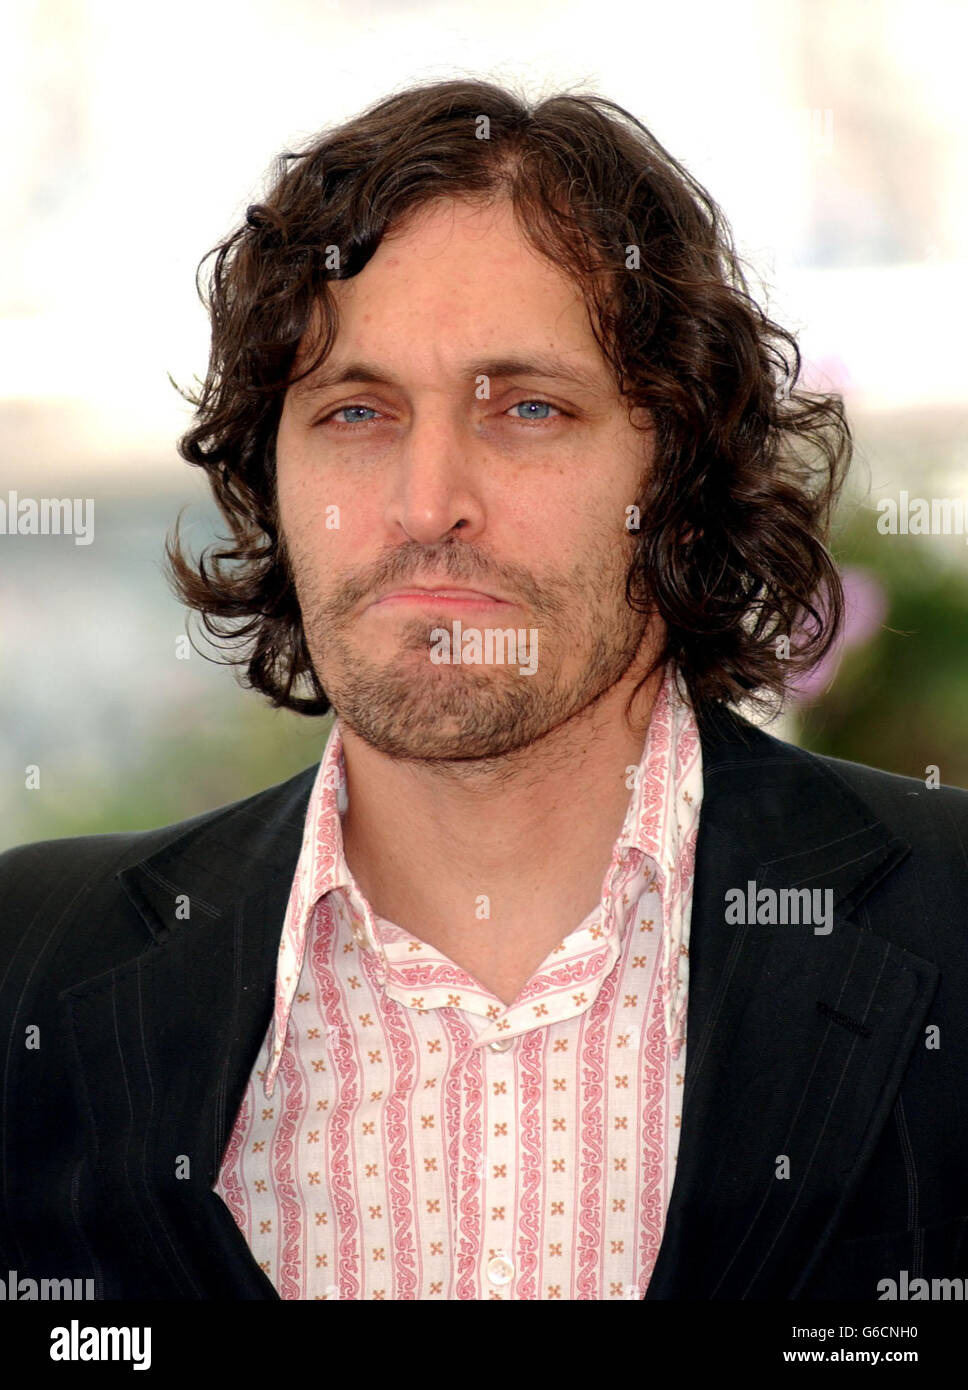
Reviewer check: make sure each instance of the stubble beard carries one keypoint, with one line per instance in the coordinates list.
(411, 709)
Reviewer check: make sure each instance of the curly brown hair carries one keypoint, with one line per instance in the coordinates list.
(730, 551)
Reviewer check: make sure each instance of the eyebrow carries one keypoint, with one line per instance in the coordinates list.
(497, 369)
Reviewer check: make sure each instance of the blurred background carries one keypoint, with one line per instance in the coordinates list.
(833, 133)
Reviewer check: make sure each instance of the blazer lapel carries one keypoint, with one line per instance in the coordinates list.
(796, 1040)
(165, 1045)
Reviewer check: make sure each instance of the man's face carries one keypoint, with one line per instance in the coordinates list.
(462, 463)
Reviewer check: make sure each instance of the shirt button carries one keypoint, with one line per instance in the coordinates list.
(500, 1269)
(359, 933)
(500, 1044)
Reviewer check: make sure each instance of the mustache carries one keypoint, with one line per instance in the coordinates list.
(447, 561)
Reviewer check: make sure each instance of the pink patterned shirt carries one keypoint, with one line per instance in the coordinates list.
(406, 1135)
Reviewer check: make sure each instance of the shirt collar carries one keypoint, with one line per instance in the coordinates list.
(666, 789)
(663, 824)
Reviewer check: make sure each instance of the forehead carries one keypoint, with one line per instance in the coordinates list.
(458, 280)
(481, 238)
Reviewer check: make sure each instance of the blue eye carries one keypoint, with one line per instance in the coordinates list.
(343, 410)
(542, 406)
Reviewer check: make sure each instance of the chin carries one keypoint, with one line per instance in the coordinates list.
(452, 722)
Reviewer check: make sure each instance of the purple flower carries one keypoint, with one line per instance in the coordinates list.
(865, 607)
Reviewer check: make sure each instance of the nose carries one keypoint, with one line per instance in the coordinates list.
(436, 486)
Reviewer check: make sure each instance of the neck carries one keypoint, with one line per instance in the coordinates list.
(531, 831)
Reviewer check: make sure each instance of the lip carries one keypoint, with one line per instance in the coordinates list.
(444, 594)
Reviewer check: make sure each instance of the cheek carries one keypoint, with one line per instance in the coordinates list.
(322, 502)
(310, 512)
(328, 534)
(292, 477)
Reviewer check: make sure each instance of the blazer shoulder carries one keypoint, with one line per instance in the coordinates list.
(907, 804)
(76, 863)
(746, 767)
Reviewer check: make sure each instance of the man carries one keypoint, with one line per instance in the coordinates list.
(555, 978)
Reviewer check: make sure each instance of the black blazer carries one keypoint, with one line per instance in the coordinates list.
(813, 1046)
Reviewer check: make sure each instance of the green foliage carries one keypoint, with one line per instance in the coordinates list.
(901, 701)
(226, 752)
